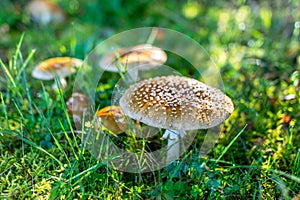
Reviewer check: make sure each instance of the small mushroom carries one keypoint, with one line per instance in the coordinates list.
(112, 118)
(44, 12)
(176, 104)
(62, 66)
(144, 55)
(77, 105)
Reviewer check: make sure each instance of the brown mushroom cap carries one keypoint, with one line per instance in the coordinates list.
(63, 66)
(178, 103)
(141, 54)
(77, 104)
(112, 118)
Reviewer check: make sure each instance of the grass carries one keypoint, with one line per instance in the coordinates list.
(256, 47)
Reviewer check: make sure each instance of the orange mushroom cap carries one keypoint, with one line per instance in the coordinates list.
(112, 118)
(62, 66)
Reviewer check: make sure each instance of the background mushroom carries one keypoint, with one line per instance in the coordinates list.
(62, 66)
(177, 104)
(144, 55)
(44, 12)
(112, 118)
(77, 105)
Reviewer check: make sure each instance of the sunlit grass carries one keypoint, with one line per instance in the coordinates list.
(42, 155)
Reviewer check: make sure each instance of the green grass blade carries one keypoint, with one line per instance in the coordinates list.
(47, 126)
(66, 112)
(87, 170)
(68, 139)
(7, 73)
(18, 109)
(24, 65)
(18, 52)
(41, 149)
(5, 113)
(292, 177)
(152, 36)
(28, 96)
(229, 145)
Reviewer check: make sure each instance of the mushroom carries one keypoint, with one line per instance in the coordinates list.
(62, 66)
(44, 12)
(77, 105)
(112, 118)
(143, 54)
(176, 104)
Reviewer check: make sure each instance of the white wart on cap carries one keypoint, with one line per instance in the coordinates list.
(62, 66)
(177, 103)
(143, 54)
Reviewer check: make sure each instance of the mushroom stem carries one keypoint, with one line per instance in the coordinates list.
(133, 74)
(174, 143)
(63, 84)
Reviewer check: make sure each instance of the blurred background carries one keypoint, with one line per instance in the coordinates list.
(227, 29)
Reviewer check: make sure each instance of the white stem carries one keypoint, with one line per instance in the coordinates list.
(174, 143)
(63, 84)
(133, 75)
